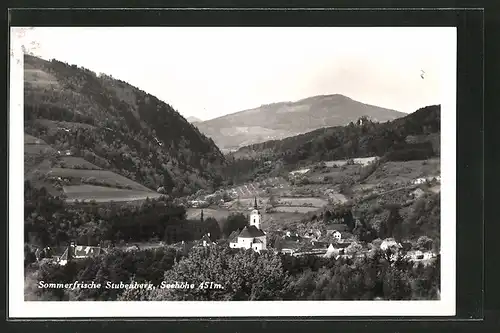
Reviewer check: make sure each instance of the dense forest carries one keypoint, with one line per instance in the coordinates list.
(117, 127)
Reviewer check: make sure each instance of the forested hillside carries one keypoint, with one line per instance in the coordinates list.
(117, 127)
(415, 136)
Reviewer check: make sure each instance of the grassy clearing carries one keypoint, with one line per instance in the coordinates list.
(31, 140)
(110, 178)
(401, 172)
(315, 202)
(295, 209)
(40, 78)
(359, 160)
(54, 126)
(218, 214)
(257, 189)
(71, 162)
(38, 149)
(104, 194)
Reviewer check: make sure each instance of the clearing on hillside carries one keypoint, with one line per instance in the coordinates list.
(108, 177)
(357, 160)
(105, 194)
(39, 77)
(71, 162)
(295, 209)
(402, 172)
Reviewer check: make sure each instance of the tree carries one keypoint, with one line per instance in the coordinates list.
(273, 201)
(212, 226)
(424, 243)
(239, 275)
(234, 222)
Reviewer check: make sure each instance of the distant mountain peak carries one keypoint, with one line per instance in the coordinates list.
(279, 120)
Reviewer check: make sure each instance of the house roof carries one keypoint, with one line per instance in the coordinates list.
(256, 240)
(251, 232)
(341, 245)
(337, 227)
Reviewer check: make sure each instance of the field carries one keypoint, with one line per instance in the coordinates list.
(104, 194)
(37, 163)
(218, 214)
(314, 202)
(108, 177)
(402, 172)
(54, 126)
(359, 161)
(295, 209)
(31, 140)
(257, 189)
(70, 162)
(39, 77)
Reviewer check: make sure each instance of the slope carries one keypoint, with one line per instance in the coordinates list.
(285, 119)
(117, 127)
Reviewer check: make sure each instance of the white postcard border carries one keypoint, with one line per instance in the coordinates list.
(18, 308)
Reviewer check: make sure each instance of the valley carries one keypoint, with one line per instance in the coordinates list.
(328, 179)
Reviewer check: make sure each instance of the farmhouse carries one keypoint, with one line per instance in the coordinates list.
(252, 237)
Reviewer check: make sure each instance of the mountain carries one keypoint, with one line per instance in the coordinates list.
(193, 120)
(116, 127)
(285, 119)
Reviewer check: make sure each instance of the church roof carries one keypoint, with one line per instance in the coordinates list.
(251, 232)
(256, 240)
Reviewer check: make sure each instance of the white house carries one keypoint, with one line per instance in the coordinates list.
(252, 237)
(337, 235)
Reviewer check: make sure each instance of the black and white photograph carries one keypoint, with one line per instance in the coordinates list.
(220, 171)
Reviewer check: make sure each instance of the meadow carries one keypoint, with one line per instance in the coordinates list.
(105, 194)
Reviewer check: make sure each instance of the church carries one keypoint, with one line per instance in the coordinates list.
(251, 237)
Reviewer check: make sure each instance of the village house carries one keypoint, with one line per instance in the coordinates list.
(251, 237)
(336, 227)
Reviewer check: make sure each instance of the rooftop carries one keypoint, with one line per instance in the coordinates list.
(251, 232)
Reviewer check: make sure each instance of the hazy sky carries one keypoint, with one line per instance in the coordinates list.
(209, 72)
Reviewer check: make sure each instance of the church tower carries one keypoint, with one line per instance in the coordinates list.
(255, 216)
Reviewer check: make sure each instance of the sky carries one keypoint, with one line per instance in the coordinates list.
(209, 72)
